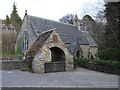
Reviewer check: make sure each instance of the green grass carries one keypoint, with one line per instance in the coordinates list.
(7, 54)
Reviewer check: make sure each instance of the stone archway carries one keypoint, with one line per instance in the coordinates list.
(57, 54)
(57, 63)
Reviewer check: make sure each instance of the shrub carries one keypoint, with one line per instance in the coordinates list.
(19, 51)
(109, 54)
(108, 66)
(82, 62)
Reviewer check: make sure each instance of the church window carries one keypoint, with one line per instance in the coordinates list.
(25, 40)
(79, 54)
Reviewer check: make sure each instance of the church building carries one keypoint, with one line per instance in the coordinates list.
(51, 45)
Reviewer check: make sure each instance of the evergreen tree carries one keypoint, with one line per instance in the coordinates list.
(15, 18)
(112, 30)
(88, 17)
(111, 48)
(7, 20)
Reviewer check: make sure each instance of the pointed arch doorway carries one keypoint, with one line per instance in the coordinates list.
(57, 63)
(79, 54)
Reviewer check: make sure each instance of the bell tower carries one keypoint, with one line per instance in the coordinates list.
(76, 21)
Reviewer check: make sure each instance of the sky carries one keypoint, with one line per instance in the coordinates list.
(50, 9)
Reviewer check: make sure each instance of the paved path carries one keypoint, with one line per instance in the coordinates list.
(77, 78)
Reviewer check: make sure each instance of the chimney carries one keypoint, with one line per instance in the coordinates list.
(25, 12)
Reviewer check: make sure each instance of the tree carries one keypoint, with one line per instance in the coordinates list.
(19, 51)
(9, 36)
(112, 32)
(7, 20)
(15, 18)
(111, 48)
(100, 16)
(88, 17)
(96, 29)
(87, 23)
(109, 54)
(67, 19)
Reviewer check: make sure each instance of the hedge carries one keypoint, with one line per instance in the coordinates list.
(82, 62)
(108, 66)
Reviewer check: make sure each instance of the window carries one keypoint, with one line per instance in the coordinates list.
(79, 54)
(25, 40)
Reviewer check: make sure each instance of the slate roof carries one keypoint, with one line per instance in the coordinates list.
(89, 38)
(38, 43)
(69, 33)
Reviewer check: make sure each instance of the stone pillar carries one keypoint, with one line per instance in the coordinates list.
(69, 62)
(38, 66)
(38, 63)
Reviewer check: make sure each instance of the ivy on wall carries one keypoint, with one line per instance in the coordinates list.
(19, 49)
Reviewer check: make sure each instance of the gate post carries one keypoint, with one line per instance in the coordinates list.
(38, 66)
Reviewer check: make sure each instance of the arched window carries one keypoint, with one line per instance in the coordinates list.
(79, 54)
(25, 40)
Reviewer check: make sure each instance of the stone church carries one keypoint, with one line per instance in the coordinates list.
(51, 45)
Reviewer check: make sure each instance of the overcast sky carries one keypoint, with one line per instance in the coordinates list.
(50, 9)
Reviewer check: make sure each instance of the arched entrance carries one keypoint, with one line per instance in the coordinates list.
(78, 54)
(57, 63)
(57, 54)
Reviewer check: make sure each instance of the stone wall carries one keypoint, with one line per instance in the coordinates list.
(85, 49)
(38, 63)
(93, 51)
(60, 44)
(9, 64)
(44, 54)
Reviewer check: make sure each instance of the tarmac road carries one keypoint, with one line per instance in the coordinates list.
(78, 78)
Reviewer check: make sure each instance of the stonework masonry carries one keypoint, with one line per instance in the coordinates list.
(9, 64)
(45, 37)
(85, 49)
(93, 51)
(44, 54)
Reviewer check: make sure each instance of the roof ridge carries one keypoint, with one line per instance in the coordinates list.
(53, 21)
(50, 30)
